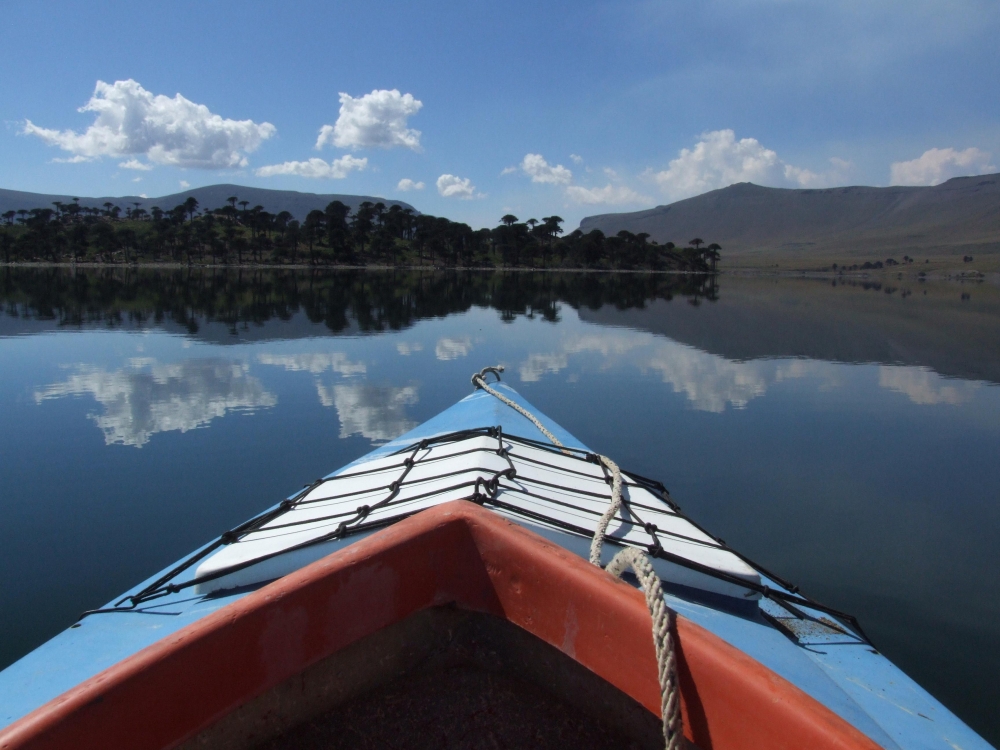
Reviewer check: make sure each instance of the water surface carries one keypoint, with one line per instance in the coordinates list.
(846, 436)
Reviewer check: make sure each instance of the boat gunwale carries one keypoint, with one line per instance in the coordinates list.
(455, 553)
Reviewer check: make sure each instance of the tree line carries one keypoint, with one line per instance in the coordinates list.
(341, 300)
(373, 234)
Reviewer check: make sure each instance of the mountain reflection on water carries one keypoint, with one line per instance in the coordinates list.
(950, 329)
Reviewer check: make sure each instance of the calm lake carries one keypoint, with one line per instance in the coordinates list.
(845, 435)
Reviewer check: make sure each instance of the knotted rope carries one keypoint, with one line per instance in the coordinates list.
(630, 557)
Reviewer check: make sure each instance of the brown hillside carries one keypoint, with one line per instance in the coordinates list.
(958, 216)
(208, 197)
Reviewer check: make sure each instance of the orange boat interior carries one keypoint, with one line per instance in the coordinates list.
(453, 628)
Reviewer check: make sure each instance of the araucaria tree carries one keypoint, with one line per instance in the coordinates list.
(371, 233)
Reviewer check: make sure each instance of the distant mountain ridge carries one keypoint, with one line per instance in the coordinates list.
(210, 197)
(960, 215)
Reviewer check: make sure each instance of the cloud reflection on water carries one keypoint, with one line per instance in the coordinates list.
(314, 362)
(713, 383)
(453, 348)
(374, 412)
(147, 397)
(922, 386)
(406, 348)
(710, 382)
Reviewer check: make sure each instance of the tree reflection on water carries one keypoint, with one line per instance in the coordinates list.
(355, 301)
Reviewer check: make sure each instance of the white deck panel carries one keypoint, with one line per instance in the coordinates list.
(565, 491)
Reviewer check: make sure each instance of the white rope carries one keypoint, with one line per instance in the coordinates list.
(479, 381)
(616, 502)
(663, 641)
(661, 614)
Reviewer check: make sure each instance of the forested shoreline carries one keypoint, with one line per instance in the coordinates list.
(374, 234)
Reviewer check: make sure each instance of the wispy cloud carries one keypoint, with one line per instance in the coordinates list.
(316, 168)
(541, 171)
(135, 164)
(615, 195)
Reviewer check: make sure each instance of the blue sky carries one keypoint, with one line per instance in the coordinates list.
(572, 108)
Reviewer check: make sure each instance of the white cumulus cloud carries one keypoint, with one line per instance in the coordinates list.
(406, 184)
(539, 170)
(577, 159)
(450, 186)
(611, 194)
(719, 160)
(131, 121)
(316, 168)
(939, 164)
(376, 119)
